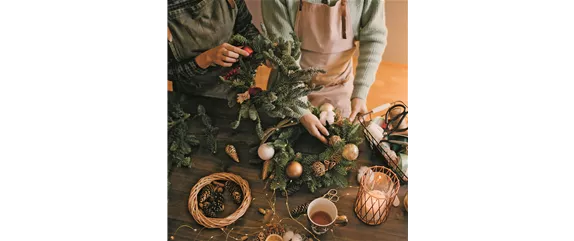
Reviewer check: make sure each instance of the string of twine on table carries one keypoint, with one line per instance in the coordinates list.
(272, 203)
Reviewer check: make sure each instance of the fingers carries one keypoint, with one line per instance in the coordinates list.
(231, 54)
(353, 114)
(322, 129)
(228, 59)
(235, 49)
(314, 132)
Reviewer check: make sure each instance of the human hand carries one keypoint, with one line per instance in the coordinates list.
(314, 127)
(358, 106)
(224, 55)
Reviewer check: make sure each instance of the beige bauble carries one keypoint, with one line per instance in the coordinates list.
(351, 152)
(318, 169)
(294, 170)
(327, 107)
(266, 152)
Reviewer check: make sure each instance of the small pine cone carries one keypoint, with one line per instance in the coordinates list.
(261, 236)
(208, 211)
(336, 158)
(217, 196)
(217, 205)
(318, 169)
(299, 210)
(234, 191)
(290, 190)
(274, 228)
(334, 140)
(204, 194)
(237, 197)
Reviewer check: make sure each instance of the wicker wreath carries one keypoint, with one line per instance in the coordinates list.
(207, 222)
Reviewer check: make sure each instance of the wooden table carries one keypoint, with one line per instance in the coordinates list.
(244, 139)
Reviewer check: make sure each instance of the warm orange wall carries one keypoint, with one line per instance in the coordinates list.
(397, 25)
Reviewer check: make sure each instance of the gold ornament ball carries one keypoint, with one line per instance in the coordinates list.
(294, 170)
(172, 237)
(351, 152)
(334, 140)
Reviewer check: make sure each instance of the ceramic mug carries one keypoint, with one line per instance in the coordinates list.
(325, 205)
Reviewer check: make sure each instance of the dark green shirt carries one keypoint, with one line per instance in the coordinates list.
(188, 68)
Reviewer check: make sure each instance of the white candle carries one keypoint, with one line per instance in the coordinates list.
(373, 201)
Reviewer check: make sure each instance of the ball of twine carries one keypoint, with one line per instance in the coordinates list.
(207, 222)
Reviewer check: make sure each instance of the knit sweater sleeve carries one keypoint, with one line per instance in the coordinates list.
(372, 43)
(279, 18)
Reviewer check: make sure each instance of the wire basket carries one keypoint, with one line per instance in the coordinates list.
(378, 148)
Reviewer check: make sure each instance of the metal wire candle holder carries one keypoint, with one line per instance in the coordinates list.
(377, 190)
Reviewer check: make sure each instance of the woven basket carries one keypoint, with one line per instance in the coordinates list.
(207, 222)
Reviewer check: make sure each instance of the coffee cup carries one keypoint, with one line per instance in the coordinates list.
(323, 215)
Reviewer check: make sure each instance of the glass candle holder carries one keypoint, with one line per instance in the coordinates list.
(377, 190)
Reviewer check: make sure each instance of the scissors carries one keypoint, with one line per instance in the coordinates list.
(399, 118)
(332, 195)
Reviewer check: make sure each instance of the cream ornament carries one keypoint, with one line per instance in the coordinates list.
(266, 152)
(327, 107)
(297, 237)
(327, 114)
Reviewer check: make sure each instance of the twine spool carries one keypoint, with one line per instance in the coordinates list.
(207, 222)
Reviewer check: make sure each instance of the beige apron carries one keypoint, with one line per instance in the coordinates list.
(327, 42)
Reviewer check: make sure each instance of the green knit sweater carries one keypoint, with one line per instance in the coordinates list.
(368, 20)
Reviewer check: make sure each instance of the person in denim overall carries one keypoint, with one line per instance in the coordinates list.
(198, 53)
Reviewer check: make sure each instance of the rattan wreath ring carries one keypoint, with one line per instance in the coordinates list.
(207, 222)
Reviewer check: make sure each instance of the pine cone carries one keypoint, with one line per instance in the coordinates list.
(275, 228)
(290, 190)
(336, 158)
(299, 210)
(334, 140)
(209, 211)
(318, 169)
(217, 205)
(205, 194)
(234, 191)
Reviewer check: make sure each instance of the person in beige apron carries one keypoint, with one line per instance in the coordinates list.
(197, 34)
(327, 42)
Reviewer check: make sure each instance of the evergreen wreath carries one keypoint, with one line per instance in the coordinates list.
(283, 98)
(286, 133)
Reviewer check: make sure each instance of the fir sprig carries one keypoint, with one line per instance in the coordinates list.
(181, 140)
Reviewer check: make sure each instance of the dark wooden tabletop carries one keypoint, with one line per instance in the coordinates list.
(244, 139)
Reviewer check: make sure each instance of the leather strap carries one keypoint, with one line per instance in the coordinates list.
(169, 37)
